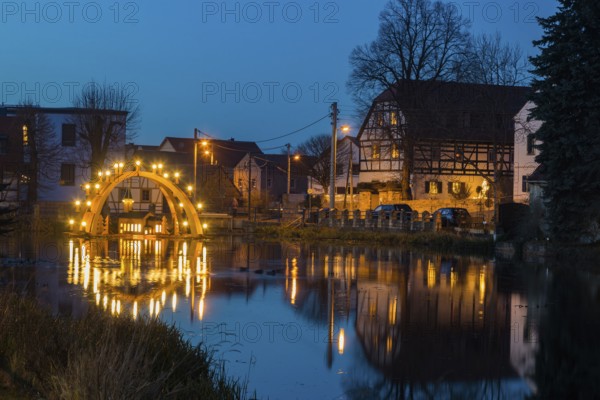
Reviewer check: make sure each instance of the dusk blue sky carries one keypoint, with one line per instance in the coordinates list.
(247, 70)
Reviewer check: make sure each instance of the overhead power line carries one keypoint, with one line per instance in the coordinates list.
(296, 131)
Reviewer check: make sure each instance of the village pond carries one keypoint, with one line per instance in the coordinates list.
(337, 322)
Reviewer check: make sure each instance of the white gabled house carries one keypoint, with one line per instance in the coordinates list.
(525, 153)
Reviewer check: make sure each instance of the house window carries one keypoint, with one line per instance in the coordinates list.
(68, 135)
(145, 194)
(3, 145)
(456, 187)
(393, 118)
(67, 174)
(240, 183)
(269, 182)
(253, 183)
(525, 184)
(395, 150)
(379, 119)
(375, 151)
(433, 187)
(25, 135)
(530, 144)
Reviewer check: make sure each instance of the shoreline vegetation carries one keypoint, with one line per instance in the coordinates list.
(424, 241)
(100, 357)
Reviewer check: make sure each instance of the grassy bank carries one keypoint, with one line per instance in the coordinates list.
(100, 357)
(438, 241)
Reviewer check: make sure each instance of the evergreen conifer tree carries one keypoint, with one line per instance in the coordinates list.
(567, 98)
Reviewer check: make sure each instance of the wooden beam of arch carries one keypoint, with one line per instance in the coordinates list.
(171, 192)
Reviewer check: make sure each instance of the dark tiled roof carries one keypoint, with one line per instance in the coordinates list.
(462, 111)
(538, 175)
(301, 166)
(11, 110)
(227, 153)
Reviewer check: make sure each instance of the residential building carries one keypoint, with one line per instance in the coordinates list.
(449, 140)
(62, 158)
(215, 174)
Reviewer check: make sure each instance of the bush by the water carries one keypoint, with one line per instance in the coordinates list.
(102, 357)
(436, 241)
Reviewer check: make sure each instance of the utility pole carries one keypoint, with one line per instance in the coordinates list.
(288, 169)
(334, 112)
(249, 185)
(195, 163)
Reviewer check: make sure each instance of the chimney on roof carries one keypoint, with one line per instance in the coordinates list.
(232, 139)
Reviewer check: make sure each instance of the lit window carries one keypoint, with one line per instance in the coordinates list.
(25, 135)
(433, 187)
(393, 118)
(375, 151)
(456, 187)
(240, 182)
(395, 150)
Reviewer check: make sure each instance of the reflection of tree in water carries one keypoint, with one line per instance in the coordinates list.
(568, 361)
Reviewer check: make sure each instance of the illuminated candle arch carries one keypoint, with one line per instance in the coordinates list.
(173, 194)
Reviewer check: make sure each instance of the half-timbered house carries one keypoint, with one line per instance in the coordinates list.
(440, 140)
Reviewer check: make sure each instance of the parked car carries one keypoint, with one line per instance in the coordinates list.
(386, 210)
(452, 216)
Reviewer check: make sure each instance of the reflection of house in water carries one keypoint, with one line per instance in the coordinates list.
(441, 320)
(524, 322)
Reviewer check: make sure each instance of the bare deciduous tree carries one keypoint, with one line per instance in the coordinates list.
(318, 149)
(417, 40)
(492, 62)
(107, 117)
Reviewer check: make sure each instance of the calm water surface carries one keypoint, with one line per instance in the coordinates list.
(297, 321)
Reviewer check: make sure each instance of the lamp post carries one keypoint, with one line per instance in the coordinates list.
(288, 168)
(333, 166)
(195, 162)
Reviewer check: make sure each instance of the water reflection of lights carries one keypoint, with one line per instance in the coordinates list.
(201, 309)
(341, 341)
(431, 274)
(294, 276)
(482, 285)
(392, 310)
(158, 284)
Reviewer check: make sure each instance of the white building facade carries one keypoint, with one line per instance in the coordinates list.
(525, 152)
